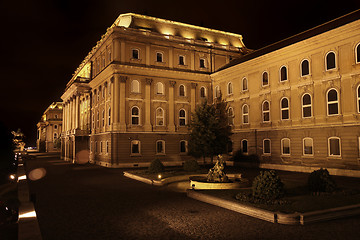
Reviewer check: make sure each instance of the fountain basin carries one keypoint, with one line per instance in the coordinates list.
(200, 183)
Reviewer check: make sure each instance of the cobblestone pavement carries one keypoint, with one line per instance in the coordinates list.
(92, 202)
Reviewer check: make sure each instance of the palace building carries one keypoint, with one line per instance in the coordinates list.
(294, 104)
(49, 128)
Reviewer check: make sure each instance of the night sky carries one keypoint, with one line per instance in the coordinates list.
(44, 41)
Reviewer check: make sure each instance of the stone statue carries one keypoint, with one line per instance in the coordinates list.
(216, 174)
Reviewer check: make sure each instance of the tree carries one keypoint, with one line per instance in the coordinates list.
(209, 130)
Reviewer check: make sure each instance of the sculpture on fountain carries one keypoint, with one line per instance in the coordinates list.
(217, 174)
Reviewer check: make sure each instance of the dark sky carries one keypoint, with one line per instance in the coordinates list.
(44, 41)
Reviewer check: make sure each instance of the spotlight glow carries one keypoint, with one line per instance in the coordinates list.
(31, 214)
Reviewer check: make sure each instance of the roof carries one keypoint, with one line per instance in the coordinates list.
(338, 22)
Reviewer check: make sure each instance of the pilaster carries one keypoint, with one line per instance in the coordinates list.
(171, 126)
(122, 126)
(148, 126)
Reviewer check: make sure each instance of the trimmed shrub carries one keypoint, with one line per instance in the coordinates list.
(321, 181)
(267, 186)
(191, 165)
(156, 166)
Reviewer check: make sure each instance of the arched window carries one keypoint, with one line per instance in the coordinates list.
(135, 147)
(265, 79)
(202, 92)
(283, 74)
(159, 57)
(182, 90)
(159, 88)
(229, 88)
(103, 118)
(334, 146)
(332, 102)
(245, 114)
(160, 147)
(308, 146)
(284, 106)
(182, 117)
(306, 105)
(217, 91)
(135, 86)
(305, 68)
(266, 111)
(244, 84)
(357, 53)
(109, 116)
(135, 115)
(330, 61)
(159, 117)
(98, 119)
(285, 146)
(358, 98)
(244, 146)
(183, 146)
(266, 147)
(231, 116)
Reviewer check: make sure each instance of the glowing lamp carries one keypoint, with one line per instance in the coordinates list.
(159, 176)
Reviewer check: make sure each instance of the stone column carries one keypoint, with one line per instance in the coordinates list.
(171, 126)
(148, 126)
(63, 118)
(122, 126)
(147, 57)
(115, 102)
(77, 110)
(171, 57)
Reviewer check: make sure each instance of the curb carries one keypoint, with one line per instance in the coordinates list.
(277, 217)
(28, 226)
(161, 182)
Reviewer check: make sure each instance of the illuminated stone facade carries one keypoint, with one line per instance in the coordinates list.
(295, 102)
(49, 128)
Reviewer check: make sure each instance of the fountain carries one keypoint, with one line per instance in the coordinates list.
(217, 178)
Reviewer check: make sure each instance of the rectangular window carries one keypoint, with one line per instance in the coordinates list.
(135, 54)
(159, 57)
(266, 147)
(334, 146)
(135, 147)
(107, 147)
(202, 63)
(285, 146)
(308, 146)
(160, 147)
(181, 60)
(183, 146)
(244, 146)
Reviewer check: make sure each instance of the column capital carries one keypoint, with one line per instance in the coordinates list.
(123, 78)
(194, 85)
(148, 81)
(172, 83)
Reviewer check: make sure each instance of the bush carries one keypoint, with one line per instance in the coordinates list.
(191, 165)
(267, 186)
(240, 157)
(321, 181)
(156, 166)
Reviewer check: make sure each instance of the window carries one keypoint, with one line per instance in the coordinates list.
(217, 91)
(244, 146)
(202, 63)
(266, 111)
(182, 117)
(283, 74)
(101, 146)
(109, 54)
(182, 90)
(159, 117)
(56, 116)
(265, 78)
(93, 121)
(305, 68)
(358, 98)
(103, 92)
(308, 146)
(181, 60)
(135, 54)
(96, 147)
(107, 147)
(55, 126)
(330, 61)
(202, 92)
(109, 116)
(284, 106)
(160, 147)
(229, 88)
(244, 84)
(357, 53)
(55, 136)
(266, 147)
(183, 146)
(159, 57)
(135, 116)
(332, 102)
(306, 106)
(98, 119)
(159, 88)
(231, 116)
(103, 118)
(135, 86)
(98, 95)
(135, 147)
(245, 114)
(334, 146)
(285, 146)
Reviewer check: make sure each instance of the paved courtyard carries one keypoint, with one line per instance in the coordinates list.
(92, 202)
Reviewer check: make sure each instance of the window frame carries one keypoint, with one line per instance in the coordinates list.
(202, 63)
(306, 106)
(262, 79)
(162, 117)
(284, 109)
(357, 53)
(217, 91)
(280, 73)
(263, 112)
(181, 62)
(231, 117)
(312, 147)
(109, 116)
(245, 114)
(182, 118)
(161, 55)
(133, 86)
(247, 146)
(358, 98)
(301, 67)
(185, 146)
(204, 92)
(180, 95)
(263, 147)
(162, 146)
(244, 80)
(159, 86)
(133, 50)
(332, 102)
(326, 61)
(282, 147)
(230, 89)
(329, 147)
(132, 116)
(132, 143)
